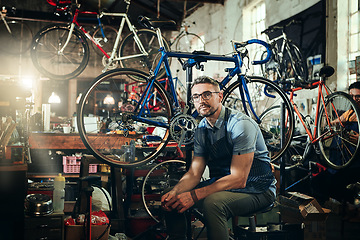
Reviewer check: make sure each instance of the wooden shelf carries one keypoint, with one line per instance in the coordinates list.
(72, 141)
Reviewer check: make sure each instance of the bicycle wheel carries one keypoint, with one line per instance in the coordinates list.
(295, 64)
(265, 94)
(336, 147)
(150, 43)
(106, 41)
(18, 41)
(160, 177)
(113, 122)
(46, 56)
(190, 42)
(297, 146)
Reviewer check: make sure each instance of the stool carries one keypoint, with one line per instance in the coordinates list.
(252, 217)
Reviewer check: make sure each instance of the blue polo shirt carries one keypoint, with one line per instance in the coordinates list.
(245, 136)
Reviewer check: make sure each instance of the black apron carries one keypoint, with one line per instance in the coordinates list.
(218, 158)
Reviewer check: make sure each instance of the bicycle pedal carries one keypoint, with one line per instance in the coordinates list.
(296, 158)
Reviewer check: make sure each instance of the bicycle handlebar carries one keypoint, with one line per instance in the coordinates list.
(273, 28)
(153, 24)
(145, 22)
(237, 45)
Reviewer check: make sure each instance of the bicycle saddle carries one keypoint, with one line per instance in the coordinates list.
(149, 23)
(326, 71)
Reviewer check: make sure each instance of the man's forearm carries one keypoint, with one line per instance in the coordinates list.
(186, 183)
(240, 168)
(225, 183)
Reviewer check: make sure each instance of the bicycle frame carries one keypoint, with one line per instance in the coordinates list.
(112, 57)
(312, 134)
(196, 59)
(279, 51)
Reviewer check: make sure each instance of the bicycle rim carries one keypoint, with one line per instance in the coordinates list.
(116, 119)
(161, 177)
(337, 150)
(107, 42)
(190, 42)
(18, 41)
(265, 95)
(47, 59)
(296, 148)
(150, 42)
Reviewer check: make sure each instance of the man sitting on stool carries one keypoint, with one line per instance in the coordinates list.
(241, 179)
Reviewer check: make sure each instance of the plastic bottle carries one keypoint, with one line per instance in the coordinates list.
(59, 194)
(129, 152)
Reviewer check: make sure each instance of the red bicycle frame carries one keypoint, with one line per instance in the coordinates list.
(320, 85)
(74, 21)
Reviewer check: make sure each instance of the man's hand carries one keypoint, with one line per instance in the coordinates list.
(353, 137)
(166, 198)
(181, 202)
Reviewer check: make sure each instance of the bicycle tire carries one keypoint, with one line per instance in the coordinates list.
(45, 52)
(18, 41)
(150, 42)
(294, 149)
(190, 42)
(336, 149)
(118, 124)
(297, 61)
(261, 102)
(159, 178)
(110, 34)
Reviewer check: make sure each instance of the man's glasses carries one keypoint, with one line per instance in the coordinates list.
(205, 96)
(357, 97)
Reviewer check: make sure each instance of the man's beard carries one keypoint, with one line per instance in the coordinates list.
(208, 114)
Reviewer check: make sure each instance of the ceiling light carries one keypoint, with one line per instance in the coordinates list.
(109, 100)
(54, 98)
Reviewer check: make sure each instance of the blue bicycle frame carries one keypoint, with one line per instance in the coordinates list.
(195, 59)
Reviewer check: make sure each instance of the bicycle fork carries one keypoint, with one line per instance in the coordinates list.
(72, 26)
(6, 24)
(244, 91)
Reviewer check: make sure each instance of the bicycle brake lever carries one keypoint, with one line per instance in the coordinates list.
(244, 52)
(181, 61)
(199, 66)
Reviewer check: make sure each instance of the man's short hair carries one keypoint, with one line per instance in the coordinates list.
(205, 79)
(354, 85)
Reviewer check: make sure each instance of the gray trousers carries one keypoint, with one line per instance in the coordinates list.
(218, 208)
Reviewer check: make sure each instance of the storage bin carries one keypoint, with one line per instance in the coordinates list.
(71, 164)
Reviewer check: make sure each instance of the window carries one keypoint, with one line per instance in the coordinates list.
(254, 24)
(354, 32)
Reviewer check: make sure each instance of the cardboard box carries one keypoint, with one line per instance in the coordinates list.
(77, 232)
(297, 208)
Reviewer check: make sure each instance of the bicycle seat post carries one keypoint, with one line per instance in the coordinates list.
(189, 79)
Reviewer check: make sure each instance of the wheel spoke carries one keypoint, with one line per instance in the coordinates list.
(121, 121)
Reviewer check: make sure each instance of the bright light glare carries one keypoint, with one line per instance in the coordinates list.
(27, 82)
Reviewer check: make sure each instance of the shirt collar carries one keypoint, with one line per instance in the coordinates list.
(219, 122)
